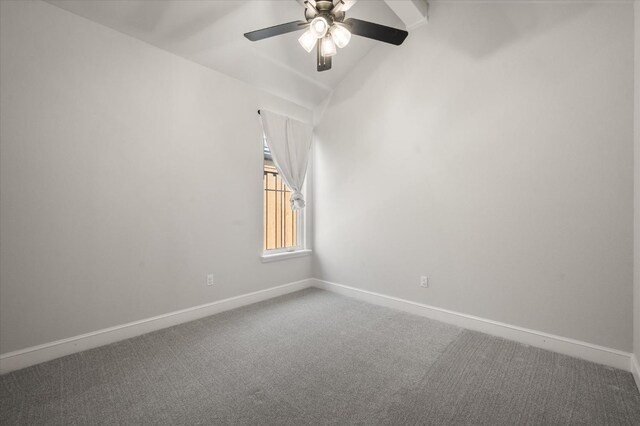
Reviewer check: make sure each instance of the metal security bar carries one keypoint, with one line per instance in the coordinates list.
(280, 221)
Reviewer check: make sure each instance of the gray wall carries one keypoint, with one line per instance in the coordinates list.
(127, 174)
(636, 258)
(492, 152)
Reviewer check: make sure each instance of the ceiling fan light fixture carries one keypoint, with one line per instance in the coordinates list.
(319, 26)
(328, 47)
(308, 41)
(341, 35)
(326, 28)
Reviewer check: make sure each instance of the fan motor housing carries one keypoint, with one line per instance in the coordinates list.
(324, 5)
(324, 8)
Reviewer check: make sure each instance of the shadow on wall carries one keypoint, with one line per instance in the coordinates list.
(477, 30)
(417, 73)
(145, 16)
(480, 30)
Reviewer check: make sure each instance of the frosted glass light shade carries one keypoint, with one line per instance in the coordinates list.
(319, 26)
(328, 46)
(307, 40)
(341, 35)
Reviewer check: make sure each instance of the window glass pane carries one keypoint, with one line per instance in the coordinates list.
(279, 220)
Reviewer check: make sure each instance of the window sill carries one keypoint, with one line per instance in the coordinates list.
(266, 258)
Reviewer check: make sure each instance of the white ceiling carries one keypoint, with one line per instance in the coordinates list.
(211, 33)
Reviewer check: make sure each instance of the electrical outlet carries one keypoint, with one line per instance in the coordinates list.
(424, 281)
(209, 279)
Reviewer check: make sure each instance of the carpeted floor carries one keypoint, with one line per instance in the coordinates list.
(314, 357)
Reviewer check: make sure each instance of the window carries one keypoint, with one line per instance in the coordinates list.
(283, 227)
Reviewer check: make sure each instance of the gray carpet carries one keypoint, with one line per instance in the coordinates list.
(313, 357)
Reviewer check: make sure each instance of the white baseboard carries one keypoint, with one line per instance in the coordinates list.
(563, 345)
(635, 370)
(36, 354)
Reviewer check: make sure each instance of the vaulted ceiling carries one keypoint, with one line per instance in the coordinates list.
(211, 34)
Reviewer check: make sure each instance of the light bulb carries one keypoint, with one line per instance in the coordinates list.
(341, 35)
(307, 40)
(328, 47)
(319, 26)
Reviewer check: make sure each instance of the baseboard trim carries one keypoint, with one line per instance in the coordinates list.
(635, 370)
(575, 348)
(27, 357)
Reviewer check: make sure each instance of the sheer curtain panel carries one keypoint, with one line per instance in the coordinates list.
(289, 141)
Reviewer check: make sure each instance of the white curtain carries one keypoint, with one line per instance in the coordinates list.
(289, 141)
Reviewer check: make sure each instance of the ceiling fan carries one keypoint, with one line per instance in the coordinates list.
(326, 28)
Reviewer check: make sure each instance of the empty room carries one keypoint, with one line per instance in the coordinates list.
(319, 212)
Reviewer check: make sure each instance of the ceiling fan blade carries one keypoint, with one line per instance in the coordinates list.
(276, 30)
(376, 31)
(324, 62)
